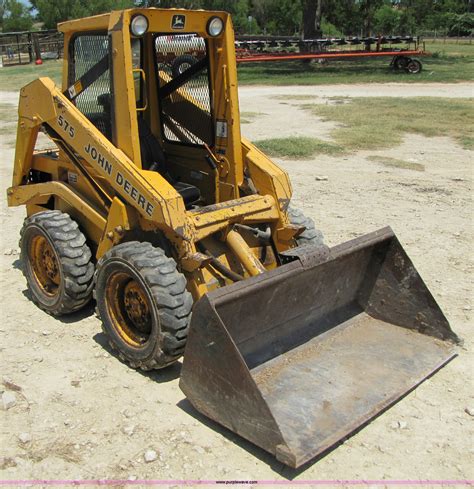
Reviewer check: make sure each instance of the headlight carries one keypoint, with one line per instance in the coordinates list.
(139, 25)
(215, 26)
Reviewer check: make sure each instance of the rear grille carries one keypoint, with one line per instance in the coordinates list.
(186, 112)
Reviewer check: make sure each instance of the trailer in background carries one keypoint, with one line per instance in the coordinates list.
(270, 48)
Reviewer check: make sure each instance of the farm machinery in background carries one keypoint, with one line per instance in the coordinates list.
(257, 49)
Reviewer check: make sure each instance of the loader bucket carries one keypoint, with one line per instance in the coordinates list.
(298, 358)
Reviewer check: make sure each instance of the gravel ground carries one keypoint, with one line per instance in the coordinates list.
(83, 414)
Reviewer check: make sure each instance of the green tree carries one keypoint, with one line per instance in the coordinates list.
(386, 20)
(345, 15)
(262, 12)
(330, 30)
(282, 17)
(460, 24)
(15, 16)
(2, 12)
(407, 25)
(431, 15)
(367, 9)
(239, 9)
(50, 12)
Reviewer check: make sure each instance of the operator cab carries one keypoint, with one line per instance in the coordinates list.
(175, 107)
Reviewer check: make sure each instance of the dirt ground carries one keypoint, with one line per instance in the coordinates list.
(82, 414)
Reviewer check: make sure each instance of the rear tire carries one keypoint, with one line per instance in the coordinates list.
(56, 262)
(144, 305)
(310, 235)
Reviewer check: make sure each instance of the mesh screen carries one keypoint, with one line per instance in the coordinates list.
(95, 101)
(186, 112)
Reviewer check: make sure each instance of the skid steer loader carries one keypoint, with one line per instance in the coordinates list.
(151, 201)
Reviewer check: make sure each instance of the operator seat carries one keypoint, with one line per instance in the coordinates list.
(153, 158)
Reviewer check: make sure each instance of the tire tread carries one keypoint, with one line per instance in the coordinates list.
(311, 235)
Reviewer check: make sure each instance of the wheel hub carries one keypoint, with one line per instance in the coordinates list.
(136, 305)
(50, 263)
(129, 308)
(44, 263)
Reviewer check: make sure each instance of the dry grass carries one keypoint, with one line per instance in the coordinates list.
(382, 122)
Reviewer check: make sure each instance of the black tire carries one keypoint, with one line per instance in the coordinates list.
(56, 262)
(143, 304)
(310, 235)
(182, 63)
(400, 62)
(413, 67)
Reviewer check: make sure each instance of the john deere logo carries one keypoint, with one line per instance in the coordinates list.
(178, 22)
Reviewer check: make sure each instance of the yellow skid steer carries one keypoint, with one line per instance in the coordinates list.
(150, 201)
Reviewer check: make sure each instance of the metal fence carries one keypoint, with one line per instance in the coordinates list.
(26, 47)
(441, 37)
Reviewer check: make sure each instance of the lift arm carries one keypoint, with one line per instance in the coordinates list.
(41, 102)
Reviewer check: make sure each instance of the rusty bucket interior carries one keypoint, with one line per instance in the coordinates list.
(298, 358)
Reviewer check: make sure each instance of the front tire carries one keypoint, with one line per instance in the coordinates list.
(144, 305)
(56, 262)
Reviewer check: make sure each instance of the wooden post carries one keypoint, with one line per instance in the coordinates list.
(18, 48)
(36, 46)
(30, 47)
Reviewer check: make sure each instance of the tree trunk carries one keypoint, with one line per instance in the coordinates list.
(368, 8)
(367, 23)
(312, 13)
(317, 23)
